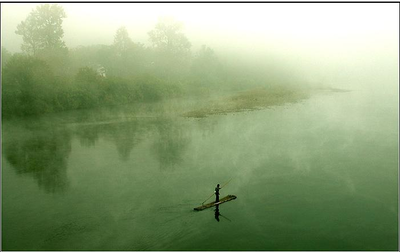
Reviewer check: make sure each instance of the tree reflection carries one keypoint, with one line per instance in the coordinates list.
(43, 156)
(125, 135)
(42, 152)
(88, 136)
(168, 147)
(170, 143)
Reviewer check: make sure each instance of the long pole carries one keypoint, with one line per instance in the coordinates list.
(214, 192)
(208, 198)
(226, 183)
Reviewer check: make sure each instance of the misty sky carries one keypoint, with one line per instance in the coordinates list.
(309, 34)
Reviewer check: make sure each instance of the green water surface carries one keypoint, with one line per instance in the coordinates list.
(317, 175)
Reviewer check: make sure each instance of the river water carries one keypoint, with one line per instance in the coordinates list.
(321, 174)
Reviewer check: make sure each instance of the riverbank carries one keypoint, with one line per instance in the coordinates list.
(254, 99)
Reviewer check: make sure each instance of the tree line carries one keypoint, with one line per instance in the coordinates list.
(49, 77)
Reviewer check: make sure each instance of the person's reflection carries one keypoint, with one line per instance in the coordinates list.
(217, 214)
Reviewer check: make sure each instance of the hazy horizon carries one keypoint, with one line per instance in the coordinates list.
(319, 41)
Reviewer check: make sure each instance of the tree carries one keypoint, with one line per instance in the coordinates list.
(122, 42)
(171, 48)
(168, 37)
(42, 29)
(5, 56)
(28, 86)
(206, 68)
(206, 60)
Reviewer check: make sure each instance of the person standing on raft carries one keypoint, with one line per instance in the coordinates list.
(217, 193)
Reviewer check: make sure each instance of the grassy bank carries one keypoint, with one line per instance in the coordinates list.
(250, 100)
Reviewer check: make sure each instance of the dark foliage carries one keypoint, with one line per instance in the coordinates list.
(49, 77)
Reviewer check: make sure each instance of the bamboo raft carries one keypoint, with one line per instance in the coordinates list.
(223, 200)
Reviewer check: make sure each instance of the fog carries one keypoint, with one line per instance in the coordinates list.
(344, 46)
(296, 104)
(337, 44)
